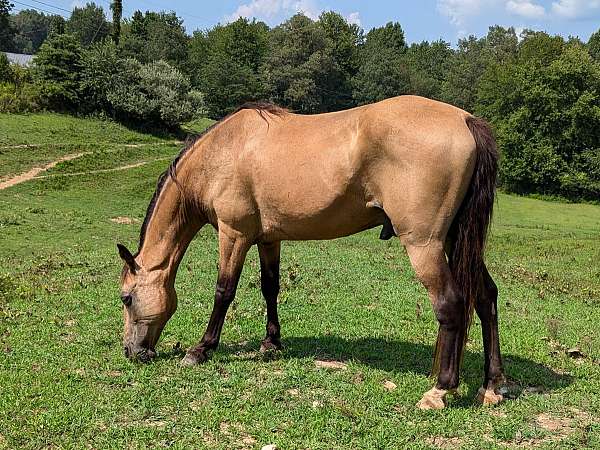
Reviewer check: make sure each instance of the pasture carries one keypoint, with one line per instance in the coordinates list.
(64, 382)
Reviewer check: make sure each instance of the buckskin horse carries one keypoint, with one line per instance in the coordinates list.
(423, 170)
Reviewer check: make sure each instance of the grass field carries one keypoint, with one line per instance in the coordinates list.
(64, 382)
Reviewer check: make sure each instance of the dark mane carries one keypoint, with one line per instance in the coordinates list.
(261, 107)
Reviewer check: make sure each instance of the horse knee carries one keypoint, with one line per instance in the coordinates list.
(485, 305)
(449, 309)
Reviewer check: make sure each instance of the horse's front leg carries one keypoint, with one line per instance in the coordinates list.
(269, 284)
(232, 253)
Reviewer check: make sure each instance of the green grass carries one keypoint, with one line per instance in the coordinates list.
(65, 383)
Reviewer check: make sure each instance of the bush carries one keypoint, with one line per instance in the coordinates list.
(19, 94)
(56, 71)
(23, 99)
(5, 69)
(154, 93)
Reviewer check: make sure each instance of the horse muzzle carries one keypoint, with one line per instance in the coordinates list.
(141, 354)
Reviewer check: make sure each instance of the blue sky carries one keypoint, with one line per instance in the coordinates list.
(421, 19)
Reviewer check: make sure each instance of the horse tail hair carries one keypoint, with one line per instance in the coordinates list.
(470, 226)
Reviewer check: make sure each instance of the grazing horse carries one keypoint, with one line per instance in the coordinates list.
(423, 170)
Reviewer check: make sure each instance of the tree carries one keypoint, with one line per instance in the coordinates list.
(88, 24)
(429, 64)
(156, 36)
(31, 30)
(342, 40)
(593, 45)
(117, 9)
(545, 106)
(6, 28)
(466, 67)
(383, 71)
(56, 69)
(297, 65)
(5, 70)
(226, 62)
(56, 25)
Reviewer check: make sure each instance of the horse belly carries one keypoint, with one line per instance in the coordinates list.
(315, 216)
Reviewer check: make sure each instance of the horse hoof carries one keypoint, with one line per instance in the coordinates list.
(270, 346)
(193, 358)
(488, 397)
(433, 399)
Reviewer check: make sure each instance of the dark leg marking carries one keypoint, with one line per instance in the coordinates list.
(487, 310)
(269, 283)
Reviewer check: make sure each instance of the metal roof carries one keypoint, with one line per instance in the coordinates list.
(20, 59)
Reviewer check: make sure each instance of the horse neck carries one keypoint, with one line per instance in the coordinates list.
(169, 231)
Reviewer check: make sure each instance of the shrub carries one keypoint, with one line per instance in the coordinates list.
(56, 71)
(5, 69)
(154, 93)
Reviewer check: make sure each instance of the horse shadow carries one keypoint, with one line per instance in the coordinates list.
(401, 357)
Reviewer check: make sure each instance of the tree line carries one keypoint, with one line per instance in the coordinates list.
(541, 92)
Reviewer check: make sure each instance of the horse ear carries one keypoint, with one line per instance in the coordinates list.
(127, 257)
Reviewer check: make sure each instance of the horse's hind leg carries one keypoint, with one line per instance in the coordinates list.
(486, 307)
(432, 269)
(232, 253)
(269, 284)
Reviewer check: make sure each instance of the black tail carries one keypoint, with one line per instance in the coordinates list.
(469, 229)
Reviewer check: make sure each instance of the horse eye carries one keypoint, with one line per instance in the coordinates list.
(127, 299)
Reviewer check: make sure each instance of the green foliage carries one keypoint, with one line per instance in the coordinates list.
(154, 93)
(18, 94)
(471, 61)
(593, 45)
(546, 109)
(342, 40)
(20, 98)
(56, 26)
(6, 27)
(5, 69)
(429, 64)
(88, 24)
(155, 36)
(297, 64)
(31, 30)
(117, 9)
(383, 71)
(56, 70)
(225, 63)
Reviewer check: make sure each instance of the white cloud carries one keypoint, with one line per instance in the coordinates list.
(270, 10)
(525, 8)
(459, 10)
(354, 18)
(576, 9)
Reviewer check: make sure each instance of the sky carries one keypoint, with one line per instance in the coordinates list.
(421, 19)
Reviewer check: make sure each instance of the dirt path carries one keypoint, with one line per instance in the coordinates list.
(31, 174)
(113, 169)
(132, 145)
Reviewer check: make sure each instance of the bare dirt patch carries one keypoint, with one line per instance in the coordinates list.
(444, 442)
(31, 174)
(334, 365)
(124, 220)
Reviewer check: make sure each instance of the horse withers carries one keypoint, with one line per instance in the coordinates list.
(423, 170)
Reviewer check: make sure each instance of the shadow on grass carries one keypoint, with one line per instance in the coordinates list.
(399, 357)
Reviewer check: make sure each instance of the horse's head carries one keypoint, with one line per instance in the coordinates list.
(149, 301)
